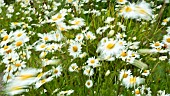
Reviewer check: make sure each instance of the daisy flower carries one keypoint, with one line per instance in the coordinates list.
(89, 35)
(20, 43)
(45, 37)
(77, 23)
(93, 62)
(128, 11)
(79, 37)
(8, 77)
(88, 71)
(165, 21)
(89, 83)
(6, 50)
(121, 1)
(57, 71)
(11, 57)
(19, 65)
(40, 46)
(101, 30)
(109, 20)
(14, 89)
(59, 17)
(146, 72)
(42, 74)
(57, 36)
(15, 24)
(137, 92)
(6, 38)
(133, 45)
(162, 93)
(75, 49)
(166, 40)
(73, 67)
(9, 68)
(132, 81)
(145, 90)
(124, 74)
(144, 11)
(43, 81)
(62, 26)
(69, 1)
(123, 55)
(120, 35)
(110, 48)
(26, 76)
(19, 35)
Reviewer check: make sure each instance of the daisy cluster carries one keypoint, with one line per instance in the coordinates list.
(54, 42)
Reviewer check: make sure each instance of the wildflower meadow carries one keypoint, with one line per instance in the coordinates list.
(85, 47)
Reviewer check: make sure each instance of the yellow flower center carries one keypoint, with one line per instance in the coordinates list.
(165, 20)
(56, 71)
(121, 43)
(125, 75)
(18, 35)
(1, 31)
(57, 35)
(145, 71)
(43, 81)
(157, 44)
(43, 46)
(15, 23)
(88, 83)
(88, 36)
(8, 51)
(128, 9)
(56, 17)
(88, 71)
(8, 77)
(40, 75)
(26, 76)
(133, 80)
(123, 54)
(61, 28)
(5, 38)
(79, 37)
(77, 22)
(110, 46)
(9, 68)
(19, 43)
(16, 88)
(24, 26)
(92, 61)
(73, 67)
(70, 1)
(137, 92)
(168, 40)
(45, 38)
(158, 49)
(75, 48)
(120, 0)
(142, 11)
(133, 55)
(18, 65)
(5, 47)
(121, 11)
